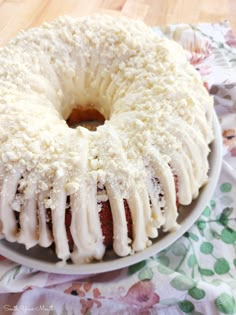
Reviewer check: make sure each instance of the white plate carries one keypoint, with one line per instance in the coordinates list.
(44, 259)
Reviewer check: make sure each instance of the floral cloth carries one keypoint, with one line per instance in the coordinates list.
(197, 274)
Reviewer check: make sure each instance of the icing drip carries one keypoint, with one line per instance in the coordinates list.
(58, 219)
(28, 233)
(45, 237)
(7, 217)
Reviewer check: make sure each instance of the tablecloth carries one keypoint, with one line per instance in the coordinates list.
(197, 274)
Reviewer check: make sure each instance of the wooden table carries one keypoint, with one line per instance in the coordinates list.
(22, 14)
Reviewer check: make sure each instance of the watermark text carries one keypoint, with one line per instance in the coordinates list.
(25, 308)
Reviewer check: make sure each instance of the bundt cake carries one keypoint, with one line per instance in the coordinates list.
(116, 186)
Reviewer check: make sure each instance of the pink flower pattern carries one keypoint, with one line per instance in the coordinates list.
(230, 39)
(81, 290)
(229, 140)
(141, 294)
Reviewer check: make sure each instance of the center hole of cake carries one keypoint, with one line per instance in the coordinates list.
(86, 117)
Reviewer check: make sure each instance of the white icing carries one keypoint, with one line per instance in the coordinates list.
(28, 233)
(158, 122)
(45, 237)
